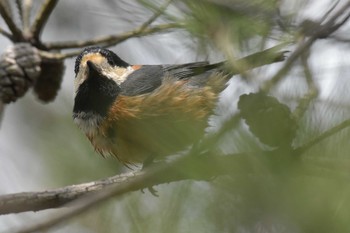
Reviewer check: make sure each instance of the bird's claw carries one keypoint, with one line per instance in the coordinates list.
(152, 190)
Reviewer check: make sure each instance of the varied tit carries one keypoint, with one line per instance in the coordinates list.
(137, 112)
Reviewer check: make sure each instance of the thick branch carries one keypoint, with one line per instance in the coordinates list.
(34, 201)
(189, 167)
(205, 167)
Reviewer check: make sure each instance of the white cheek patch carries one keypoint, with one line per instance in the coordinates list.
(79, 79)
(129, 70)
(118, 74)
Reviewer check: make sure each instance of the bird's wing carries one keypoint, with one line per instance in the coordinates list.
(185, 71)
(144, 80)
(149, 77)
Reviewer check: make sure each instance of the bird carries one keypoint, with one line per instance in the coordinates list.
(141, 112)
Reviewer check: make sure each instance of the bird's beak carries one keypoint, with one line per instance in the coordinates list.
(93, 69)
(92, 66)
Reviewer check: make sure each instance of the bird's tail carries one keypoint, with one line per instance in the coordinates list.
(265, 57)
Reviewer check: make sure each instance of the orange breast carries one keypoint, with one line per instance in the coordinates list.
(159, 123)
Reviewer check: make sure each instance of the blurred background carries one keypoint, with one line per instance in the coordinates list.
(41, 148)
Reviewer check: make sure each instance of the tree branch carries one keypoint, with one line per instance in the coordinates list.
(158, 13)
(205, 167)
(81, 198)
(27, 7)
(34, 201)
(111, 39)
(324, 135)
(319, 32)
(19, 9)
(6, 34)
(312, 92)
(6, 15)
(43, 15)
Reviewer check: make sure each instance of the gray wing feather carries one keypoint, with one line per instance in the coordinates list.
(143, 80)
(150, 77)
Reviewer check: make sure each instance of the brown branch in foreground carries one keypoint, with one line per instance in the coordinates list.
(35, 201)
(205, 167)
(188, 167)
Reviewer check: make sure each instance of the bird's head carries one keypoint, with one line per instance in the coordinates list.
(98, 75)
(96, 61)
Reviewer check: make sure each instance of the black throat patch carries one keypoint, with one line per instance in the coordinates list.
(96, 94)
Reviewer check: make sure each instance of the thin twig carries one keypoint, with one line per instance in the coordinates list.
(111, 39)
(58, 56)
(27, 8)
(2, 107)
(6, 15)
(158, 13)
(340, 39)
(320, 32)
(19, 9)
(323, 136)
(312, 92)
(6, 34)
(341, 23)
(287, 65)
(42, 17)
(330, 10)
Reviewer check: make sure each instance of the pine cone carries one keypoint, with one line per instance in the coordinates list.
(268, 119)
(49, 82)
(19, 69)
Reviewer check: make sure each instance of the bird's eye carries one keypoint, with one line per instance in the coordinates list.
(113, 59)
